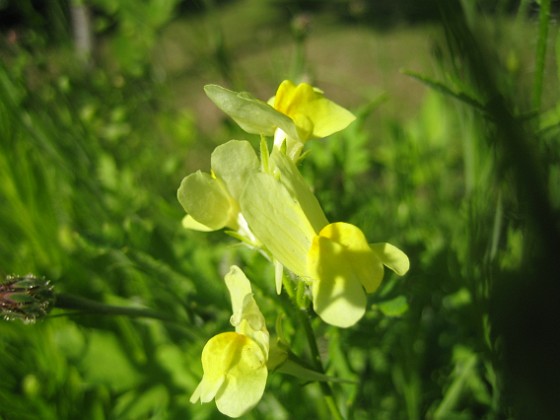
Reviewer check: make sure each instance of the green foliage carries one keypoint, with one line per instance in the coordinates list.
(468, 187)
(137, 27)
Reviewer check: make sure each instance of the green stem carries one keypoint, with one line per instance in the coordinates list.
(522, 10)
(86, 306)
(544, 18)
(316, 357)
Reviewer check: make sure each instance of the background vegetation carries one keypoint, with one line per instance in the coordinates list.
(454, 158)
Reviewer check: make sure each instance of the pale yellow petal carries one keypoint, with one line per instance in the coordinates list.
(338, 297)
(291, 178)
(247, 317)
(252, 115)
(326, 116)
(392, 257)
(235, 374)
(234, 162)
(189, 223)
(217, 357)
(278, 275)
(278, 221)
(245, 379)
(313, 114)
(239, 286)
(207, 201)
(357, 256)
(195, 397)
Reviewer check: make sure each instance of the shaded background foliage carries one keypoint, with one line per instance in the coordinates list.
(454, 159)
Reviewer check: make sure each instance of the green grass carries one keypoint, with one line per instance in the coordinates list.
(90, 162)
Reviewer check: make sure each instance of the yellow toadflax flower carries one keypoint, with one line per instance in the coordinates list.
(211, 199)
(341, 265)
(294, 115)
(235, 363)
(271, 208)
(313, 115)
(334, 259)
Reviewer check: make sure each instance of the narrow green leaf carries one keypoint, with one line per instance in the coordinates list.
(440, 87)
(540, 59)
(465, 367)
(292, 367)
(395, 307)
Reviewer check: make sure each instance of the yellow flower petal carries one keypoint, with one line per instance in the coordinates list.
(235, 373)
(341, 264)
(217, 357)
(365, 263)
(313, 114)
(278, 275)
(247, 317)
(291, 178)
(278, 221)
(234, 162)
(207, 201)
(392, 257)
(189, 223)
(252, 115)
(239, 287)
(338, 297)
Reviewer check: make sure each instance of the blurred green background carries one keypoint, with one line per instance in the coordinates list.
(454, 158)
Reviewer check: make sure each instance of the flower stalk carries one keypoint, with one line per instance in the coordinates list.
(304, 320)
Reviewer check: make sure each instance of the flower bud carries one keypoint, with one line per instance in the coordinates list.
(26, 298)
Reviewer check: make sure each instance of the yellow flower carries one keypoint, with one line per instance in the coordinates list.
(313, 115)
(335, 259)
(235, 363)
(271, 207)
(294, 115)
(341, 265)
(211, 200)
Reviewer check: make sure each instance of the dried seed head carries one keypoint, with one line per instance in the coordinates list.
(26, 298)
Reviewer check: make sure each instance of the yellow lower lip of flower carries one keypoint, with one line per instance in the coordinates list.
(338, 297)
(313, 114)
(235, 373)
(342, 264)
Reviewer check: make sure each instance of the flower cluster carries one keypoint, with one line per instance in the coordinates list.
(266, 203)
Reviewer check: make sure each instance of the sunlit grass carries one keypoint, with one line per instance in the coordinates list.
(89, 167)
